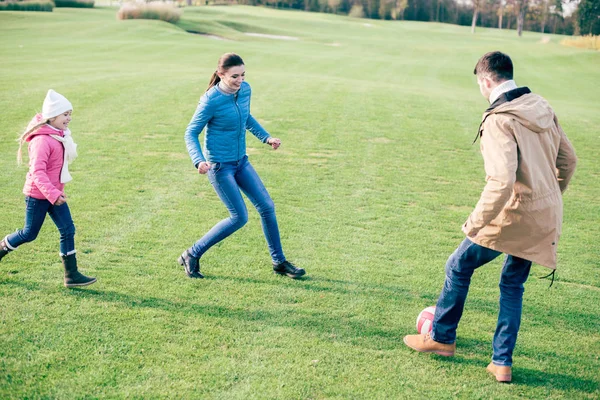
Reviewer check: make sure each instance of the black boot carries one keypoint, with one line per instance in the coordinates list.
(4, 250)
(191, 265)
(288, 269)
(74, 278)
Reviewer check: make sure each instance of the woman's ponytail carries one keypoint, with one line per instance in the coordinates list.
(213, 80)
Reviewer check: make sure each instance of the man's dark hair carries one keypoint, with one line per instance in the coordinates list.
(495, 64)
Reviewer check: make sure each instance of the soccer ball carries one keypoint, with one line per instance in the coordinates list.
(425, 320)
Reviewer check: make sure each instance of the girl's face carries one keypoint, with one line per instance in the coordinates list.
(61, 121)
(234, 76)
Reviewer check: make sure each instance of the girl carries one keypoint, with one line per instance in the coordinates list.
(225, 110)
(51, 149)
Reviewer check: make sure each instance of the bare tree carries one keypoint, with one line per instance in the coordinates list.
(476, 6)
(544, 14)
(521, 7)
(500, 14)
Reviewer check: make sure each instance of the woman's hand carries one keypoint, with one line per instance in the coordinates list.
(274, 142)
(203, 167)
(61, 200)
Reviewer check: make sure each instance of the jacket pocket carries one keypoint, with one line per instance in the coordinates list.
(215, 167)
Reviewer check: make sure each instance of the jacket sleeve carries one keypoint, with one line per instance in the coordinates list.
(500, 156)
(201, 117)
(256, 129)
(566, 160)
(39, 154)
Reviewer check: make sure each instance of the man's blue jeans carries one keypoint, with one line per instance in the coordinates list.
(35, 214)
(459, 269)
(227, 179)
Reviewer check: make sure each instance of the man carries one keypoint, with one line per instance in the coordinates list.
(528, 162)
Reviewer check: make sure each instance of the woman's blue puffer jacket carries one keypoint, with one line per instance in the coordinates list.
(226, 117)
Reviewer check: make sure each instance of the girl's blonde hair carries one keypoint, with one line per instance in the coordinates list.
(36, 123)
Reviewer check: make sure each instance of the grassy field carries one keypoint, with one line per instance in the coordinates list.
(375, 176)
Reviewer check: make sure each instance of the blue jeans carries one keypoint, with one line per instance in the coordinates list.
(35, 214)
(459, 269)
(227, 179)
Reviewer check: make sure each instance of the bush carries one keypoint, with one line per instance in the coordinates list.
(357, 11)
(155, 10)
(26, 6)
(584, 42)
(74, 3)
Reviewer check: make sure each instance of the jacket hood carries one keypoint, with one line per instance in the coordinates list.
(44, 130)
(530, 110)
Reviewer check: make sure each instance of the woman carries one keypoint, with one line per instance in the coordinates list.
(224, 110)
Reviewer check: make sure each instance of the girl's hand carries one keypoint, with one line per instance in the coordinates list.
(203, 167)
(61, 200)
(274, 142)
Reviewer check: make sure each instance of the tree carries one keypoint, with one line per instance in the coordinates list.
(521, 8)
(334, 5)
(476, 6)
(556, 11)
(588, 16)
(544, 14)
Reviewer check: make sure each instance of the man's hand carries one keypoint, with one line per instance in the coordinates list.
(466, 231)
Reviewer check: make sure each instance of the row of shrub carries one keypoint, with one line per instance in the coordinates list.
(154, 10)
(74, 3)
(584, 42)
(43, 5)
(26, 5)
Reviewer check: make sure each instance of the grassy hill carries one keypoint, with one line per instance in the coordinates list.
(375, 176)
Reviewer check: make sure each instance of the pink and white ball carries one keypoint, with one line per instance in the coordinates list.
(425, 320)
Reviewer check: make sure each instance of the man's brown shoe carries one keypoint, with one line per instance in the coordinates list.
(502, 373)
(425, 344)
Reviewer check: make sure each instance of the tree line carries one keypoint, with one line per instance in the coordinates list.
(547, 16)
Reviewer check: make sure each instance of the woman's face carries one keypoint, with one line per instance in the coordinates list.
(234, 76)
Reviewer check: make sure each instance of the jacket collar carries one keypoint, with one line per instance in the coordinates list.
(46, 129)
(502, 88)
(508, 96)
(503, 98)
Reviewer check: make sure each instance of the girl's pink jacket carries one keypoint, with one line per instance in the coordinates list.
(46, 157)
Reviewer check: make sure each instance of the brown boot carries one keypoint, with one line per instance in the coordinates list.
(4, 249)
(74, 278)
(502, 373)
(425, 344)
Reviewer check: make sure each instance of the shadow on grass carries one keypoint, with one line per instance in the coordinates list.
(347, 329)
(530, 377)
(320, 284)
(24, 284)
(536, 378)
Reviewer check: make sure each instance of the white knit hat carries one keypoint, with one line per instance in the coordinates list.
(55, 104)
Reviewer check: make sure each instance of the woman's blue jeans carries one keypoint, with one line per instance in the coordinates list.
(35, 214)
(459, 269)
(227, 179)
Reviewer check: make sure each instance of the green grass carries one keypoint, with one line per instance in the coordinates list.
(375, 176)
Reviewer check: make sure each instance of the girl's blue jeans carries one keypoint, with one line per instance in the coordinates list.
(228, 179)
(35, 214)
(459, 269)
